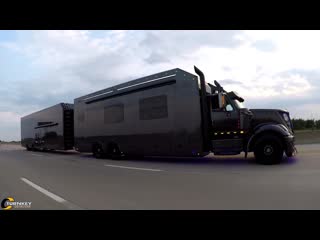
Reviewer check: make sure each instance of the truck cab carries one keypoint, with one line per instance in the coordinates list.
(232, 128)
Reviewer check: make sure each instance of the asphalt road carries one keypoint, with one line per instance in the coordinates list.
(70, 180)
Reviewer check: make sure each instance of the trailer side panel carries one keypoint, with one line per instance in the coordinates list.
(156, 115)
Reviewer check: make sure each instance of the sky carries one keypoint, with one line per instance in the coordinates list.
(269, 69)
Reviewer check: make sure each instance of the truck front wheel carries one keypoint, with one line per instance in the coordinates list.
(268, 150)
(289, 154)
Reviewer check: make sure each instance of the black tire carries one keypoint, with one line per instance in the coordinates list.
(289, 154)
(28, 148)
(135, 156)
(98, 151)
(114, 152)
(34, 149)
(268, 150)
(132, 156)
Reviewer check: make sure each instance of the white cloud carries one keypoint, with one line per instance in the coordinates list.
(123, 55)
(9, 117)
(10, 126)
(306, 111)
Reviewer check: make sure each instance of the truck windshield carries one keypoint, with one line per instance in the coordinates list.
(239, 104)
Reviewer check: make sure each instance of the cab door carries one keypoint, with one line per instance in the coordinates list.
(225, 128)
(225, 118)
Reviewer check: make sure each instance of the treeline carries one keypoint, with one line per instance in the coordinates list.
(300, 124)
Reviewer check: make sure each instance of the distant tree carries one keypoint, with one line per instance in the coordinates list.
(309, 124)
(298, 124)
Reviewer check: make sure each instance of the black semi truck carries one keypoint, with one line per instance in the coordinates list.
(176, 113)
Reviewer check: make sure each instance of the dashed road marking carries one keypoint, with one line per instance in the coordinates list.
(51, 195)
(39, 155)
(134, 168)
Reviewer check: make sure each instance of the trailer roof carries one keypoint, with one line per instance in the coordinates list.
(137, 82)
(65, 106)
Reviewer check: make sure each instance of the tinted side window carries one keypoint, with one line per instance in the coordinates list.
(153, 107)
(215, 102)
(114, 114)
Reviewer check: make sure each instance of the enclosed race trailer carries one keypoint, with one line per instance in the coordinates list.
(155, 115)
(49, 129)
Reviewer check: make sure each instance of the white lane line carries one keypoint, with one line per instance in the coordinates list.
(134, 168)
(44, 191)
(50, 194)
(37, 155)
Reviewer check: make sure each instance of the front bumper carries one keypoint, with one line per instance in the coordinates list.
(290, 148)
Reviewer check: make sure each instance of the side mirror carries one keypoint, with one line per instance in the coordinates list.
(229, 108)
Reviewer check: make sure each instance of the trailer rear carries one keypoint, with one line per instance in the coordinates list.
(49, 129)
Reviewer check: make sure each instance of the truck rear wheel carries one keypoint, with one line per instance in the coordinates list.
(97, 151)
(114, 151)
(268, 150)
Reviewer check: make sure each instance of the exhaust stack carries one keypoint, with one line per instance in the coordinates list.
(205, 116)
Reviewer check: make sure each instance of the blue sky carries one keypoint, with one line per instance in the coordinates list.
(270, 69)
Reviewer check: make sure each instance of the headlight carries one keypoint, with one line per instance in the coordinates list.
(287, 119)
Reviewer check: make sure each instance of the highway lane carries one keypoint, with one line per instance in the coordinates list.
(70, 180)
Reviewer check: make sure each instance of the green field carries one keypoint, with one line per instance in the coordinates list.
(12, 142)
(307, 136)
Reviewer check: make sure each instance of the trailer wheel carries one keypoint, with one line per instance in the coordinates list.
(268, 150)
(114, 151)
(28, 148)
(97, 151)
